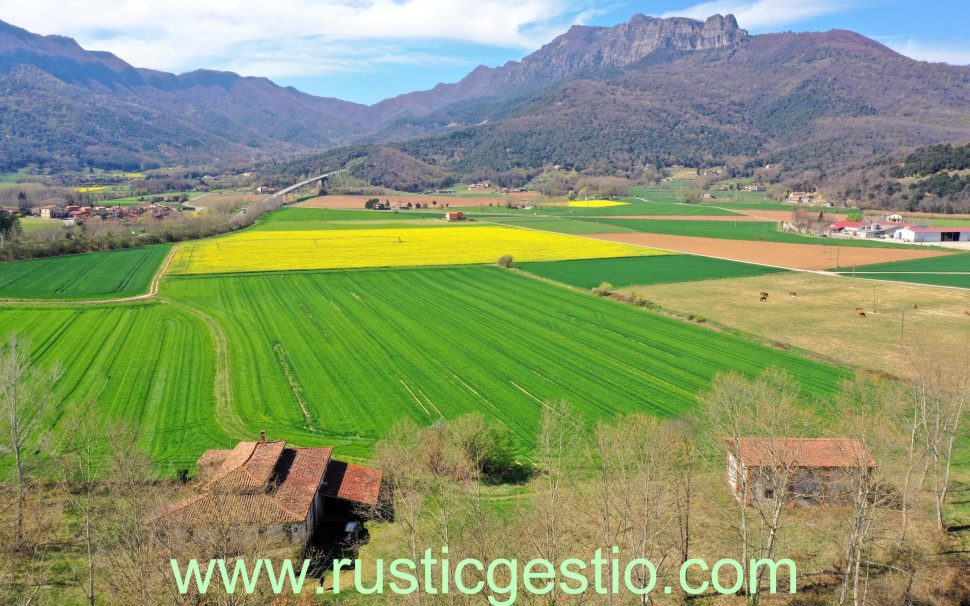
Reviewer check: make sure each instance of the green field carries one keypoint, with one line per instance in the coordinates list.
(98, 275)
(336, 357)
(742, 230)
(149, 364)
(558, 224)
(31, 225)
(955, 270)
(633, 208)
(632, 271)
(302, 219)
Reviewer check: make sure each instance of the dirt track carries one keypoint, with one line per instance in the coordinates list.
(779, 254)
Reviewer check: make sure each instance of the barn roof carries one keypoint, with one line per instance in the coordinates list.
(923, 230)
(266, 483)
(352, 483)
(800, 452)
(844, 224)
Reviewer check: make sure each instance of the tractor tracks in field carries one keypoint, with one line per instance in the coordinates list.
(226, 415)
(147, 296)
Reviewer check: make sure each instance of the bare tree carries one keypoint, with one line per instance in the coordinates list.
(26, 394)
(764, 408)
(868, 415)
(82, 476)
(941, 387)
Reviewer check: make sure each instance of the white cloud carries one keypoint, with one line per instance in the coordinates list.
(290, 37)
(760, 14)
(954, 54)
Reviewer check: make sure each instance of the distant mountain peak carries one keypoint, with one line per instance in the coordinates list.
(581, 48)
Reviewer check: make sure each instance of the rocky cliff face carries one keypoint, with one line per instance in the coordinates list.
(579, 49)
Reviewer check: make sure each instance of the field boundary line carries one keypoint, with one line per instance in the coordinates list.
(821, 272)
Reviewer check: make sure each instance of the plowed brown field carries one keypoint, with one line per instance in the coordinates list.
(779, 254)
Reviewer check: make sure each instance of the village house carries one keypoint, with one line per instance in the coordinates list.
(755, 187)
(51, 211)
(276, 490)
(846, 227)
(818, 470)
(802, 197)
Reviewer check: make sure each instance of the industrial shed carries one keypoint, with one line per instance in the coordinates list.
(933, 234)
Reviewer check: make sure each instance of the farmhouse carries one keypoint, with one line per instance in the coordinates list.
(846, 227)
(933, 234)
(810, 471)
(51, 211)
(271, 488)
(802, 197)
(454, 215)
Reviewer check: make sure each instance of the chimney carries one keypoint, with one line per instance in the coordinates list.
(262, 436)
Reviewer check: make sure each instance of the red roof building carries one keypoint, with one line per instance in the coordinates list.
(842, 225)
(807, 470)
(269, 485)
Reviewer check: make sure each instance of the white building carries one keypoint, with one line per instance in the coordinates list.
(933, 234)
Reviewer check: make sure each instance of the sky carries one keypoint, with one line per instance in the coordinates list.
(367, 50)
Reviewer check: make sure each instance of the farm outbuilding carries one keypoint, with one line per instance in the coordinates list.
(810, 471)
(273, 489)
(454, 215)
(933, 234)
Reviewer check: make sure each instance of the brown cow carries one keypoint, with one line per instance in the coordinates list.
(764, 297)
(858, 310)
(862, 313)
(793, 294)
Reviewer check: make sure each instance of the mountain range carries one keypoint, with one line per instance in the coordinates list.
(600, 99)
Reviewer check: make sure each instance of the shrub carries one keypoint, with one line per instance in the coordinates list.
(505, 261)
(603, 290)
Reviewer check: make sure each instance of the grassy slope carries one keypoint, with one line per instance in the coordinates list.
(360, 349)
(100, 275)
(641, 271)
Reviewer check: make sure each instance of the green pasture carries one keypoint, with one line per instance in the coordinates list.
(631, 271)
(954, 271)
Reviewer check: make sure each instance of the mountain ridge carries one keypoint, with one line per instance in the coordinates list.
(725, 95)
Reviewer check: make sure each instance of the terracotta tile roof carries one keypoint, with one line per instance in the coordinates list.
(229, 508)
(801, 452)
(353, 483)
(266, 483)
(249, 466)
(300, 473)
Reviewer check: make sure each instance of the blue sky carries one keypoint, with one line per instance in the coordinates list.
(366, 50)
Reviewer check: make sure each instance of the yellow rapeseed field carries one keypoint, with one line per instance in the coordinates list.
(405, 247)
(588, 203)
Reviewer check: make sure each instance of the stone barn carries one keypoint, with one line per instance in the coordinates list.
(810, 471)
(277, 490)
